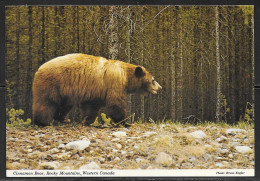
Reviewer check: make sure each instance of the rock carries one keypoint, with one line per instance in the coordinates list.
(233, 131)
(66, 168)
(136, 147)
(218, 158)
(230, 155)
(119, 134)
(163, 159)
(246, 140)
(234, 143)
(64, 156)
(78, 145)
(54, 150)
(198, 134)
(102, 160)
(29, 150)
(49, 165)
(141, 160)
(207, 146)
(123, 152)
(149, 133)
(243, 149)
(115, 150)
(223, 151)
(219, 164)
(61, 146)
(13, 139)
(192, 159)
(92, 165)
(118, 146)
(115, 139)
(22, 160)
(221, 139)
(117, 159)
(39, 135)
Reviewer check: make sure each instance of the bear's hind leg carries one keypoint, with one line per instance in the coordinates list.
(43, 114)
(61, 112)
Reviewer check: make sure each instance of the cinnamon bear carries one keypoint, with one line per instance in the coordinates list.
(88, 82)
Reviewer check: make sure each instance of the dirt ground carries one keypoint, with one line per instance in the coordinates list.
(141, 146)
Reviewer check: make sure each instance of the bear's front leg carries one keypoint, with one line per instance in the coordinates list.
(89, 111)
(116, 113)
(116, 109)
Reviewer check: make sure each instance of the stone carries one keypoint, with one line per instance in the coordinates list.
(219, 164)
(221, 139)
(123, 152)
(149, 133)
(230, 155)
(118, 146)
(91, 166)
(49, 165)
(119, 134)
(78, 145)
(136, 147)
(61, 145)
(233, 131)
(163, 159)
(223, 151)
(234, 143)
(102, 160)
(54, 150)
(117, 159)
(141, 160)
(29, 150)
(243, 149)
(39, 135)
(115, 139)
(198, 134)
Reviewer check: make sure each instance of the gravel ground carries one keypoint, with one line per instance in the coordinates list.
(141, 146)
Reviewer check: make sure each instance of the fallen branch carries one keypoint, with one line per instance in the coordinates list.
(124, 120)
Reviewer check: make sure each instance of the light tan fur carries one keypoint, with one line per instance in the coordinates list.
(84, 80)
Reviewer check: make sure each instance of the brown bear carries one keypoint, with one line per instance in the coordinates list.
(88, 82)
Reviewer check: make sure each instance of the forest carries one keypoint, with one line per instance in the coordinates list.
(202, 56)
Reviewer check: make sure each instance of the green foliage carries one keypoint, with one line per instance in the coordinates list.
(224, 108)
(107, 121)
(14, 120)
(10, 93)
(13, 116)
(249, 113)
(247, 11)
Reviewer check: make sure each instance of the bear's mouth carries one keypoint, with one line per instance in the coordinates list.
(153, 91)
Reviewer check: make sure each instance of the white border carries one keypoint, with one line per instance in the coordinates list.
(134, 173)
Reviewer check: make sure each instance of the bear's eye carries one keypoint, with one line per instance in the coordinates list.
(153, 82)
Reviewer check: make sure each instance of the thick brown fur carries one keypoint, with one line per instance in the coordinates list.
(88, 82)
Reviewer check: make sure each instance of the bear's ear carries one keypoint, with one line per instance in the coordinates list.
(139, 72)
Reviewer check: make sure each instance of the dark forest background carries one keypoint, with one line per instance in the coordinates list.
(203, 56)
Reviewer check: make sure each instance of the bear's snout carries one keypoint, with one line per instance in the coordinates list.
(156, 88)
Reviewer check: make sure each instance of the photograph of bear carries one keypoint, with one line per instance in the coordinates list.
(89, 82)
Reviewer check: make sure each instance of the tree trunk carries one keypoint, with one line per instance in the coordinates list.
(113, 30)
(18, 57)
(129, 32)
(253, 62)
(142, 62)
(43, 37)
(218, 106)
(29, 67)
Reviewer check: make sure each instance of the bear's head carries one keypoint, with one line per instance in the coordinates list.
(146, 81)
